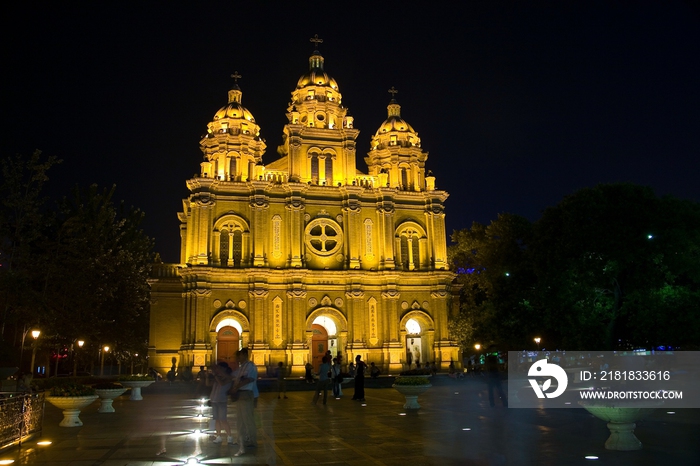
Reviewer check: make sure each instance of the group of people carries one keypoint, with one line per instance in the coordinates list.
(241, 385)
(330, 374)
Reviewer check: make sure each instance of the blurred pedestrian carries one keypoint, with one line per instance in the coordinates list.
(281, 381)
(308, 376)
(246, 386)
(494, 380)
(324, 373)
(218, 398)
(337, 378)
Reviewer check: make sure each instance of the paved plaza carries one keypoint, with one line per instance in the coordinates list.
(455, 426)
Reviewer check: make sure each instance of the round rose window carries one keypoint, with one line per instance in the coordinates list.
(323, 236)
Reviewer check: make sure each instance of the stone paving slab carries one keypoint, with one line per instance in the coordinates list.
(160, 431)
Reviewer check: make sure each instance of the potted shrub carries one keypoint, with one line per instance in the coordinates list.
(107, 393)
(136, 383)
(71, 398)
(621, 422)
(410, 387)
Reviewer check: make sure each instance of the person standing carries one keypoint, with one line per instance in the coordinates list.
(323, 379)
(360, 368)
(246, 386)
(222, 384)
(409, 358)
(308, 376)
(494, 379)
(337, 380)
(374, 371)
(281, 382)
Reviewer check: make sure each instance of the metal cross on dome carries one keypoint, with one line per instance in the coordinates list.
(236, 77)
(316, 41)
(393, 92)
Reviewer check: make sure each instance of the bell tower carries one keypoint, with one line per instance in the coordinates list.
(232, 146)
(319, 139)
(395, 155)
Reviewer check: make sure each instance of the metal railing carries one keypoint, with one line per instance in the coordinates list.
(21, 416)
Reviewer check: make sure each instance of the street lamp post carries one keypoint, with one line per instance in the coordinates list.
(538, 340)
(75, 357)
(102, 360)
(35, 335)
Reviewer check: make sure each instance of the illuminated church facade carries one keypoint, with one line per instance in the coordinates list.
(307, 254)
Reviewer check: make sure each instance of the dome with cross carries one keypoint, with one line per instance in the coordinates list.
(394, 123)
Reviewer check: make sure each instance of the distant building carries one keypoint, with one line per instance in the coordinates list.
(307, 254)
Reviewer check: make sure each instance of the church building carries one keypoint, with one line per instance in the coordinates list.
(306, 254)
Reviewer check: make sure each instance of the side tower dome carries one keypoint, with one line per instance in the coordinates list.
(232, 146)
(395, 155)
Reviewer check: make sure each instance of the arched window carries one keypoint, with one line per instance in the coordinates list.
(230, 247)
(223, 247)
(404, 179)
(314, 169)
(232, 169)
(409, 239)
(237, 245)
(329, 171)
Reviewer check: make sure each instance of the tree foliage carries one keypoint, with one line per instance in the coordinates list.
(492, 265)
(608, 267)
(76, 269)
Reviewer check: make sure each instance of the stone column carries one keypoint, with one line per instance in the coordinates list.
(437, 222)
(386, 215)
(295, 207)
(258, 325)
(296, 335)
(393, 348)
(259, 207)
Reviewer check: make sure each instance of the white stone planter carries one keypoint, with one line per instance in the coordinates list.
(136, 386)
(107, 396)
(411, 392)
(71, 406)
(621, 423)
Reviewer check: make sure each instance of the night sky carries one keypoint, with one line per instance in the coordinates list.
(518, 103)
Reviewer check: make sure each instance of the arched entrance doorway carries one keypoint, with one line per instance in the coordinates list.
(319, 345)
(228, 342)
(414, 347)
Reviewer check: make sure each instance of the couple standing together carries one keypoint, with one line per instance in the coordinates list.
(242, 382)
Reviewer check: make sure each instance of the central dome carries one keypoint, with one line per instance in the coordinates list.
(316, 76)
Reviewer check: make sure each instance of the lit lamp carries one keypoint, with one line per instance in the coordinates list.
(102, 360)
(75, 357)
(35, 335)
(538, 340)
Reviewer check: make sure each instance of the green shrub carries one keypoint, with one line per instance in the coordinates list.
(72, 389)
(412, 381)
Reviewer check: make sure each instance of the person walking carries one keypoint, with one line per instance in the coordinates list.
(323, 378)
(281, 381)
(222, 384)
(360, 368)
(246, 386)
